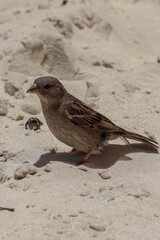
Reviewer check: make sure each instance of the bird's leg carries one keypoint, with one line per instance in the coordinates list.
(84, 160)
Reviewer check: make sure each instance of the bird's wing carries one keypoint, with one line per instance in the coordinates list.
(80, 114)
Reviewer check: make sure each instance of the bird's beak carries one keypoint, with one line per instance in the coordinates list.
(33, 89)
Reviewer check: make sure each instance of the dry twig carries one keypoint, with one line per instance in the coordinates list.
(6, 208)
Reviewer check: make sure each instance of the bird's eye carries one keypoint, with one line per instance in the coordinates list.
(47, 86)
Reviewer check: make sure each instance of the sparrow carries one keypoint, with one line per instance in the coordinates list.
(74, 123)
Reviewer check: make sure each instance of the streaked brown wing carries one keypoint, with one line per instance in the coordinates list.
(80, 114)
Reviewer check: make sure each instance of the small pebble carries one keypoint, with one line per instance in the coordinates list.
(40, 174)
(148, 92)
(102, 189)
(107, 64)
(96, 63)
(83, 168)
(64, 2)
(73, 215)
(24, 170)
(81, 212)
(19, 118)
(104, 175)
(91, 197)
(98, 228)
(94, 235)
(85, 193)
(111, 199)
(48, 168)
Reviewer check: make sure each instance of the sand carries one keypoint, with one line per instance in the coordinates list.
(107, 54)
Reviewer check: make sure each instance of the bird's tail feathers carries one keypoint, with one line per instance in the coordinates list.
(140, 138)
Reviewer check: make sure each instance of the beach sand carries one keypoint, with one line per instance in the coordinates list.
(107, 54)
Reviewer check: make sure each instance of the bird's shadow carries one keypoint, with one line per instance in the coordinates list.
(110, 155)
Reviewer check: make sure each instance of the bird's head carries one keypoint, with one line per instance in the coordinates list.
(48, 89)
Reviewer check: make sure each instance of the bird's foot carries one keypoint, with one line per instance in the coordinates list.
(84, 160)
(73, 150)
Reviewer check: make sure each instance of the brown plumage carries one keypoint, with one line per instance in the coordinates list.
(76, 124)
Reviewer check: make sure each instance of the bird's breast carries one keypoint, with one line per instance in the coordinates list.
(68, 133)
